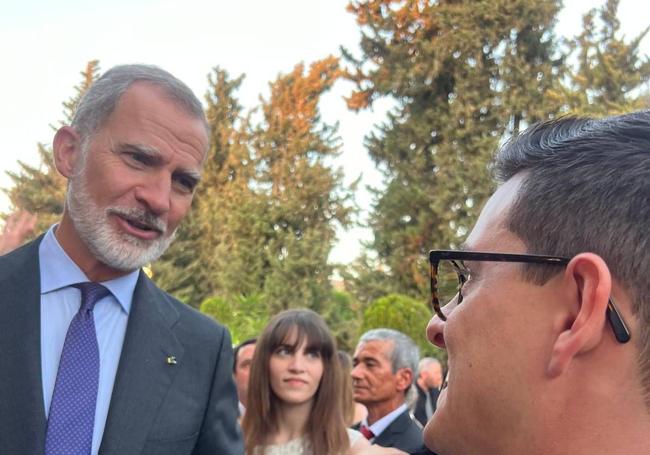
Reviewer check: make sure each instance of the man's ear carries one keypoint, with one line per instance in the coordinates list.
(588, 274)
(404, 378)
(67, 150)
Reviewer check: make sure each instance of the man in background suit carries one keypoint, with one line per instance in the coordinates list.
(385, 363)
(241, 369)
(122, 367)
(427, 385)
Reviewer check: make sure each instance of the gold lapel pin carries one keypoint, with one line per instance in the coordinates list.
(171, 360)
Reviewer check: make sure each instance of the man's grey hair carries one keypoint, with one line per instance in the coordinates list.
(425, 362)
(99, 102)
(405, 353)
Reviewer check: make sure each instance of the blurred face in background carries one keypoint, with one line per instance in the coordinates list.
(373, 380)
(242, 370)
(432, 375)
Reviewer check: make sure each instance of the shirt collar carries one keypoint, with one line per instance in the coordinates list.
(380, 425)
(59, 271)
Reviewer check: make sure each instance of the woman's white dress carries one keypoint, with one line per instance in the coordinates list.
(299, 446)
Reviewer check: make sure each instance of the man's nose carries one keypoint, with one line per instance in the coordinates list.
(436, 326)
(155, 195)
(435, 330)
(355, 373)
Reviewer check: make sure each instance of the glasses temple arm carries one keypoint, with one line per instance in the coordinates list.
(621, 331)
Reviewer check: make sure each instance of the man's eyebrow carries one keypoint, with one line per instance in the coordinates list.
(191, 174)
(367, 358)
(139, 148)
(154, 154)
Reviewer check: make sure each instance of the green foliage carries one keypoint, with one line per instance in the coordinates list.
(611, 77)
(263, 221)
(342, 314)
(366, 279)
(210, 255)
(401, 312)
(305, 197)
(245, 317)
(457, 94)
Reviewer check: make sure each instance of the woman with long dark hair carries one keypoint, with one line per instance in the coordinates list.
(294, 394)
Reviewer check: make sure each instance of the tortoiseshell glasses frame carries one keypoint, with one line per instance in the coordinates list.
(456, 259)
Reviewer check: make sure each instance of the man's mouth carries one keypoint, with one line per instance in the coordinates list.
(139, 224)
(142, 226)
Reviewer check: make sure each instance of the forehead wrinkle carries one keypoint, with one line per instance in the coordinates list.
(378, 352)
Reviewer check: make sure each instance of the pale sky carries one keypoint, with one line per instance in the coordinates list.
(45, 44)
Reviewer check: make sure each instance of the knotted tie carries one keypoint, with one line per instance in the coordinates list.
(72, 412)
(367, 432)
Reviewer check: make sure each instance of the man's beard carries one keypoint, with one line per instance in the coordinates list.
(118, 250)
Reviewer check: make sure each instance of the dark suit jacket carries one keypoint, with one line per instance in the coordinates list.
(404, 433)
(155, 408)
(420, 412)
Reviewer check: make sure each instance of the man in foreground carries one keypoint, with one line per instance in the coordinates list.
(549, 336)
(385, 362)
(102, 361)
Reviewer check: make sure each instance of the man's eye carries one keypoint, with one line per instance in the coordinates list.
(139, 158)
(185, 184)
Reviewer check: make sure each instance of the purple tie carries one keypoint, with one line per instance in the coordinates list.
(72, 411)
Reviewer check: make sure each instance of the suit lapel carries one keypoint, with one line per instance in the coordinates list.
(393, 431)
(22, 413)
(143, 375)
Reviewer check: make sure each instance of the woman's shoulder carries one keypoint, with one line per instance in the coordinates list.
(354, 435)
(357, 441)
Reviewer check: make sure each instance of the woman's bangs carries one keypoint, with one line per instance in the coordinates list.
(292, 333)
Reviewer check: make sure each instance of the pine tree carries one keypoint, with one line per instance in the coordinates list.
(464, 74)
(214, 253)
(41, 189)
(611, 77)
(305, 197)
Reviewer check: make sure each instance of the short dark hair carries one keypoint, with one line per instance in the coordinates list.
(236, 351)
(586, 187)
